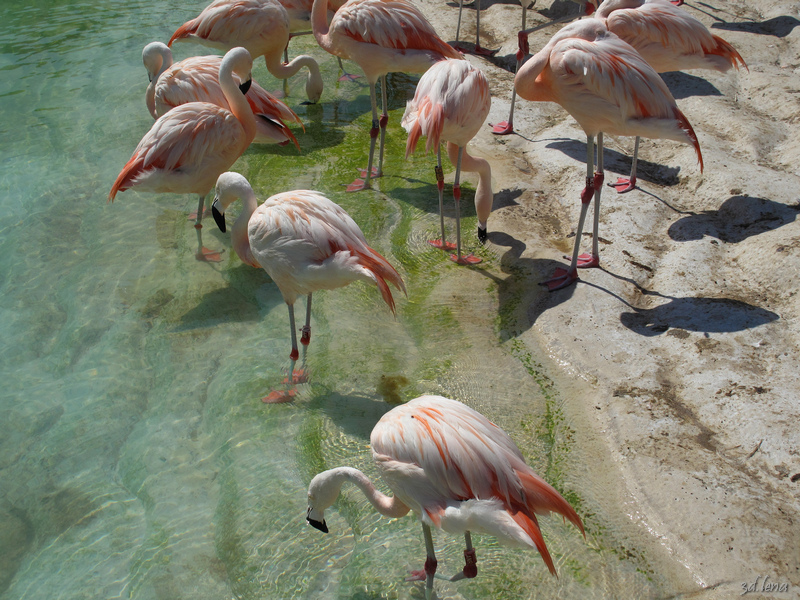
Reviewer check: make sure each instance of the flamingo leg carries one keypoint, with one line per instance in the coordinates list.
(286, 62)
(507, 127)
(470, 560)
(363, 184)
(203, 253)
(441, 243)
(431, 563)
(458, 25)
(384, 121)
(563, 278)
(587, 261)
(469, 259)
(288, 392)
(626, 184)
(306, 337)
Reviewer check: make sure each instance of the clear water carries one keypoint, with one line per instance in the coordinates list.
(136, 459)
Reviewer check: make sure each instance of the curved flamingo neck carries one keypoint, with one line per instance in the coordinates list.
(165, 54)
(483, 193)
(239, 237)
(237, 102)
(388, 506)
(319, 25)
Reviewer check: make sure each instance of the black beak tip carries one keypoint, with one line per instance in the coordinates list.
(322, 526)
(246, 86)
(219, 218)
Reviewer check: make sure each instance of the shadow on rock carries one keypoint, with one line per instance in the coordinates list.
(777, 26)
(737, 219)
(708, 315)
(620, 163)
(682, 85)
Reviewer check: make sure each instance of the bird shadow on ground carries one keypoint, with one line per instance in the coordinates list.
(777, 26)
(698, 314)
(682, 85)
(620, 163)
(515, 293)
(354, 414)
(243, 299)
(737, 219)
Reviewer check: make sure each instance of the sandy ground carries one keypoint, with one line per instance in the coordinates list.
(683, 347)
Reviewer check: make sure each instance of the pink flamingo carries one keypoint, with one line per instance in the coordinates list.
(305, 243)
(451, 104)
(607, 87)
(187, 148)
(669, 39)
(196, 79)
(261, 26)
(458, 472)
(381, 36)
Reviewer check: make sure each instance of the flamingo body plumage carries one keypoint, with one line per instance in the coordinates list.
(305, 243)
(188, 147)
(261, 26)
(380, 36)
(451, 103)
(607, 86)
(196, 79)
(457, 471)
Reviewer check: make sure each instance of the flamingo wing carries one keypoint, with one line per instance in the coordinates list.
(232, 22)
(190, 138)
(396, 24)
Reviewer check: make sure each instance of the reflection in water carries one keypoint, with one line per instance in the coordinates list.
(136, 457)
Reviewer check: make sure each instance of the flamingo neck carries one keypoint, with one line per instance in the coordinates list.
(239, 237)
(388, 506)
(319, 25)
(483, 193)
(239, 105)
(165, 54)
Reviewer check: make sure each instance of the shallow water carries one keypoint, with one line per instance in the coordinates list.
(136, 458)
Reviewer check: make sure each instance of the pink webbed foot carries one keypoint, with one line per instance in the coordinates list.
(298, 376)
(503, 128)
(349, 77)
(588, 261)
(357, 186)
(561, 279)
(363, 172)
(418, 575)
(206, 255)
(280, 396)
(442, 245)
(624, 184)
(467, 259)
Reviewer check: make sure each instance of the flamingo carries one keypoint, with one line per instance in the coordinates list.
(669, 39)
(451, 104)
(381, 36)
(189, 146)
(305, 242)
(457, 471)
(261, 26)
(196, 79)
(587, 7)
(606, 86)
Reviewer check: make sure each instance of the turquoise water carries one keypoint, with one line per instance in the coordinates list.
(136, 458)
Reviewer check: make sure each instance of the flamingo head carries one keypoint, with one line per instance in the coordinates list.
(230, 187)
(157, 58)
(322, 493)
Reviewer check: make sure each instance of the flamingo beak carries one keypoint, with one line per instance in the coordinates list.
(246, 85)
(219, 218)
(321, 525)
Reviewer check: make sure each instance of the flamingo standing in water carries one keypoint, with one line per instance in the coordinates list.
(261, 26)
(607, 86)
(451, 104)
(305, 243)
(187, 148)
(381, 36)
(458, 472)
(669, 39)
(196, 79)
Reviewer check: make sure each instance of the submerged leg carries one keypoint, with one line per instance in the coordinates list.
(562, 278)
(362, 184)
(306, 337)
(470, 560)
(469, 259)
(430, 564)
(203, 253)
(626, 184)
(441, 243)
